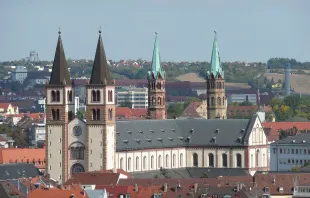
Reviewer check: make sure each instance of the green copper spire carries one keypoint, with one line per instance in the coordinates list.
(156, 68)
(216, 67)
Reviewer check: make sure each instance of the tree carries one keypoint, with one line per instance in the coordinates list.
(246, 103)
(295, 169)
(80, 114)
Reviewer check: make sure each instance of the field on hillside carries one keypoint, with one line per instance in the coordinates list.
(299, 83)
(193, 77)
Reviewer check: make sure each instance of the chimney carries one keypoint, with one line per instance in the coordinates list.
(136, 188)
(165, 187)
(196, 187)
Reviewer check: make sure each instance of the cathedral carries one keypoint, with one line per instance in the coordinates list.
(101, 143)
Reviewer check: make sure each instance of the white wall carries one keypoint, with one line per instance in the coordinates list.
(95, 145)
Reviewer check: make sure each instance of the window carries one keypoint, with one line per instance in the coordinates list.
(212, 101)
(77, 168)
(70, 115)
(173, 160)
(181, 159)
(296, 151)
(239, 160)
(208, 101)
(159, 100)
(121, 163)
(252, 161)
(57, 114)
(69, 95)
(257, 158)
(218, 101)
(110, 114)
(292, 151)
(77, 150)
(98, 96)
(129, 164)
(144, 162)
(280, 151)
(263, 161)
(58, 96)
(137, 163)
(159, 161)
(152, 162)
(110, 96)
(211, 160)
(98, 114)
(274, 150)
(167, 161)
(93, 96)
(53, 114)
(224, 158)
(305, 151)
(195, 160)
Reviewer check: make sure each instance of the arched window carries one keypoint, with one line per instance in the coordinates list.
(252, 161)
(129, 164)
(53, 114)
(159, 161)
(152, 162)
(211, 160)
(224, 160)
(110, 114)
(219, 101)
(158, 85)
(159, 100)
(208, 101)
(77, 150)
(94, 114)
(77, 168)
(144, 162)
(212, 101)
(263, 161)
(239, 160)
(153, 100)
(58, 96)
(181, 159)
(57, 114)
(98, 114)
(53, 93)
(110, 96)
(223, 101)
(257, 158)
(167, 161)
(137, 163)
(195, 160)
(98, 96)
(173, 160)
(121, 163)
(93, 96)
(69, 96)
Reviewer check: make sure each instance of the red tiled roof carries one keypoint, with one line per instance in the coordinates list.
(190, 110)
(139, 112)
(276, 180)
(75, 190)
(22, 155)
(4, 105)
(114, 191)
(287, 125)
(94, 178)
(127, 113)
(123, 111)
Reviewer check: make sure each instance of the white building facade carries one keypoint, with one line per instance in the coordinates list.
(20, 74)
(290, 152)
(137, 96)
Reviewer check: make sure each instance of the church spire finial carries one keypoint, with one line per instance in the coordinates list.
(59, 30)
(100, 29)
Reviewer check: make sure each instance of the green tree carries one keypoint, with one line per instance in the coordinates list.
(80, 114)
(246, 103)
(295, 169)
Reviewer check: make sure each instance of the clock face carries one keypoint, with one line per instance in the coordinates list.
(77, 131)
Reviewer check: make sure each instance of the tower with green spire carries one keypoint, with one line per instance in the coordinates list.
(156, 87)
(216, 99)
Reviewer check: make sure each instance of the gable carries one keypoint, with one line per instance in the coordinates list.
(257, 134)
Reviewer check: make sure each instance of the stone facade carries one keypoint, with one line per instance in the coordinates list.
(216, 99)
(157, 99)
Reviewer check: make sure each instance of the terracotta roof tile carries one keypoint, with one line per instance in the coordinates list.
(94, 178)
(190, 110)
(75, 190)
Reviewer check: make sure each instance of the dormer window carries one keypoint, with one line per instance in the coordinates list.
(266, 189)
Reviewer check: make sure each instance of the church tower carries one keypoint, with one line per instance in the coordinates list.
(216, 99)
(59, 112)
(156, 87)
(100, 115)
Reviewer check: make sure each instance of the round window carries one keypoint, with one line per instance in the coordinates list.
(77, 131)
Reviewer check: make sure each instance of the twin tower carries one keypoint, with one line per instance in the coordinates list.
(77, 146)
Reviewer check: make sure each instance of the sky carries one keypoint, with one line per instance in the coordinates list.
(247, 30)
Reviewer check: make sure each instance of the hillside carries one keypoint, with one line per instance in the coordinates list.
(193, 77)
(299, 83)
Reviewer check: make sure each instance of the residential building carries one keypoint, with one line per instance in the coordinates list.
(8, 109)
(79, 87)
(40, 105)
(301, 191)
(241, 111)
(70, 191)
(196, 110)
(20, 74)
(23, 155)
(5, 141)
(37, 134)
(216, 99)
(137, 97)
(156, 87)
(293, 151)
